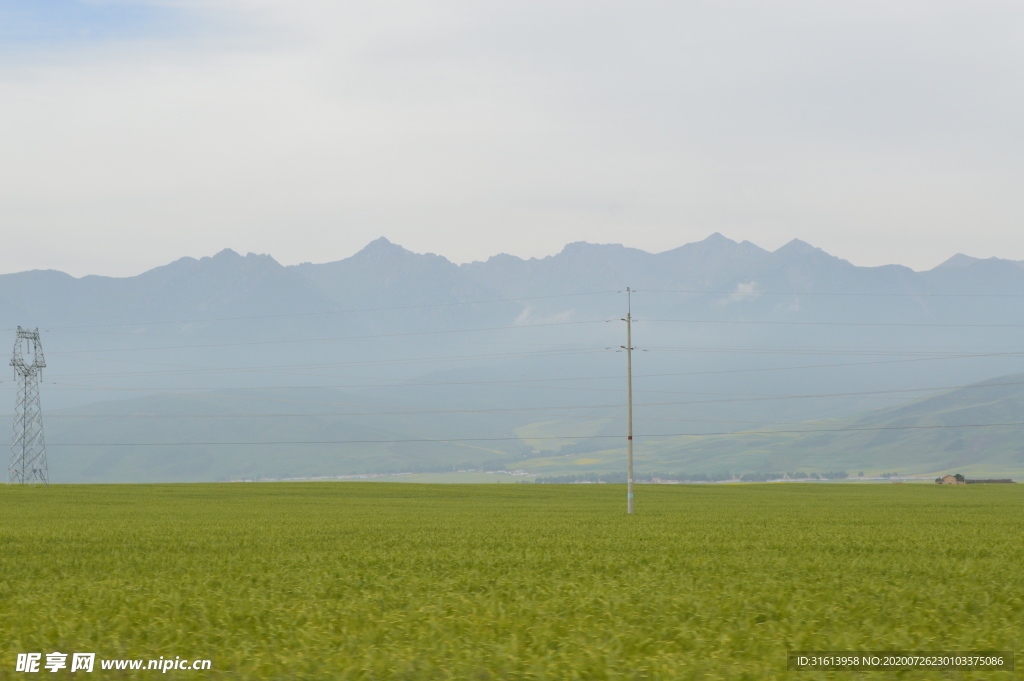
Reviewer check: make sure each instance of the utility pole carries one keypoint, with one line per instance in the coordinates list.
(629, 400)
(28, 448)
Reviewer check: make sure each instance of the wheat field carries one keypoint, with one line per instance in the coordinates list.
(406, 581)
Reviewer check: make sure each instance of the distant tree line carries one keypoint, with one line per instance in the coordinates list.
(719, 476)
(582, 478)
(827, 475)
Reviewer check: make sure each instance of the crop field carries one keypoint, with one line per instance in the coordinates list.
(514, 581)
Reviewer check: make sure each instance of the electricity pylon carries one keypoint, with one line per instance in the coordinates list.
(28, 448)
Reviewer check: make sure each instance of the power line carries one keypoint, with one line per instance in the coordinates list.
(329, 312)
(527, 298)
(287, 369)
(544, 437)
(754, 293)
(867, 324)
(219, 396)
(408, 409)
(332, 339)
(271, 368)
(831, 366)
(828, 395)
(133, 417)
(187, 369)
(527, 410)
(338, 338)
(577, 378)
(759, 422)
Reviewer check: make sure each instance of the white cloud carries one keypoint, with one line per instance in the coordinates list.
(748, 291)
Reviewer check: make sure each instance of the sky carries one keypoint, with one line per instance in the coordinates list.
(136, 132)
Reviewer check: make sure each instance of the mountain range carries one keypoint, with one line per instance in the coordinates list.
(514, 362)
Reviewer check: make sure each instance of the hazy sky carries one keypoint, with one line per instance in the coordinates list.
(133, 133)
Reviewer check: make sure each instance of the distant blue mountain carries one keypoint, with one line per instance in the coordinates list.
(422, 345)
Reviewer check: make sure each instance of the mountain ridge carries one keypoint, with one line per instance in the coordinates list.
(498, 348)
(382, 245)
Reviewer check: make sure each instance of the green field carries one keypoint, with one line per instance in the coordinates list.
(401, 581)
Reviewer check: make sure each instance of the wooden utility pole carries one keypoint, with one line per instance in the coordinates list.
(629, 400)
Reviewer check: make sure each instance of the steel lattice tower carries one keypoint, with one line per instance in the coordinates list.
(28, 449)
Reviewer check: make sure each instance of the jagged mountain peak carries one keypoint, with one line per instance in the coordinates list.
(717, 238)
(226, 262)
(581, 247)
(797, 246)
(799, 250)
(231, 258)
(716, 243)
(382, 249)
(381, 245)
(958, 260)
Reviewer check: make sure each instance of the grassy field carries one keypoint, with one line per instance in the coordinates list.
(400, 581)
